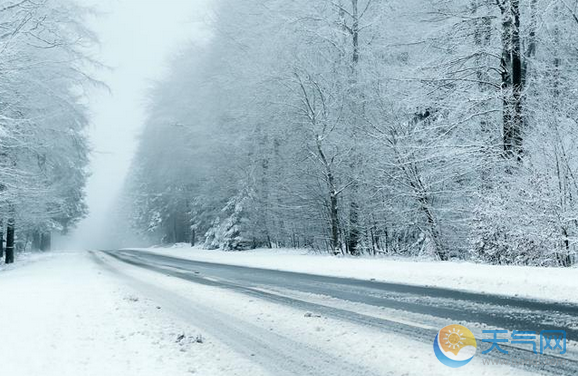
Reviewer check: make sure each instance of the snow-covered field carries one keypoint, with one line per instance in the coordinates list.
(555, 284)
(63, 315)
(78, 314)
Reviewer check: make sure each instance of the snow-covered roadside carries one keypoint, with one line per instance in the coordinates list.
(382, 353)
(25, 258)
(63, 315)
(553, 284)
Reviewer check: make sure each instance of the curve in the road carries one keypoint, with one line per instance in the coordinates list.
(487, 309)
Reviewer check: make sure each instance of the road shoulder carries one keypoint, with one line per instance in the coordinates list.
(64, 315)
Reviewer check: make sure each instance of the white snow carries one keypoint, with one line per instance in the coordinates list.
(71, 314)
(380, 352)
(24, 258)
(552, 284)
(64, 315)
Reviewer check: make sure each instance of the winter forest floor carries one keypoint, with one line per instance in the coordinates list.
(551, 284)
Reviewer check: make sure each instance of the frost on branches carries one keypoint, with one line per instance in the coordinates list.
(438, 129)
(43, 146)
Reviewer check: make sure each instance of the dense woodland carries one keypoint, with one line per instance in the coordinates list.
(442, 129)
(43, 146)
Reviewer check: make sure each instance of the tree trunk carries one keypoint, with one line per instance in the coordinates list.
(424, 201)
(45, 241)
(10, 241)
(483, 41)
(333, 201)
(334, 214)
(433, 229)
(36, 241)
(174, 229)
(354, 232)
(562, 165)
(353, 237)
(512, 77)
(531, 49)
(1, 239)
(355, 30)
(517, 76)
(265, 214)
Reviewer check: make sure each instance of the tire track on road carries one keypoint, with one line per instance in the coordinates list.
(567, 366)
(280, 355)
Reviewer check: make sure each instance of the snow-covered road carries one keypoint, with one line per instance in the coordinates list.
(92, 314)
(393, 310)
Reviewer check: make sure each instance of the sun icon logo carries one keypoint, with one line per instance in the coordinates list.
(455, 346)
(454, 340)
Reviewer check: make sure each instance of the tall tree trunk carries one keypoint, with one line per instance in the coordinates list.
(433, 229)
(333, 201)
(353, 237)
(512, 79)
(1, 239)
(265, 214)
(45, 241)
(10, 240)
(483, 40)
(354, 232)
(328, 173)
(36, 241)
(532, 45)
(562, 165)
(425, 203)
(517, 84)
(355, 31)
(175, 230)
(334, 214)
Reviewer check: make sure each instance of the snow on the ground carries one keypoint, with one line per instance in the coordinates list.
(69, 314)
(384, 353)
(24, 258)
(64, 315)
(552, 284)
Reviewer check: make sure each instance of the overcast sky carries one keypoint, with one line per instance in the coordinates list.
(138, 38)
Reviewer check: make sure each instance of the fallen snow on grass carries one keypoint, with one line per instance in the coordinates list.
(64, 315)
(553, 284)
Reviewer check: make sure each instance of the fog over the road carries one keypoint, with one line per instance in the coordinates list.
(137, 39)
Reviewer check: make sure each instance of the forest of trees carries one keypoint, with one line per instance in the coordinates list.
(444, 129)
(43, 115)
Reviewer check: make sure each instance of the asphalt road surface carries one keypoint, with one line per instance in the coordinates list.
(310, 292)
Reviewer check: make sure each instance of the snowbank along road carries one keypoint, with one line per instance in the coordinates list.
(392, 313)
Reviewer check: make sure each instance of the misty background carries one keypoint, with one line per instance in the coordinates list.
(439, 130)
(138, 38)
